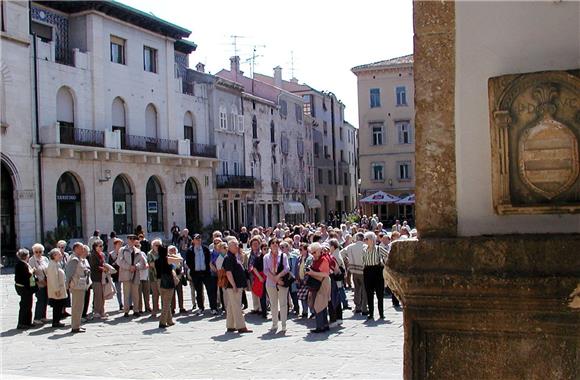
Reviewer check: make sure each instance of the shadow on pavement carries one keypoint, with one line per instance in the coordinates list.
(60, 336)
(226, 337)
(11, 332)
(372, 322)
(154, 331)
(47, 330)
(271, 335)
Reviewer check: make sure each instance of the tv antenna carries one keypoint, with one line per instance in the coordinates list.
(252, 59)
(292, 63)
(234, 42)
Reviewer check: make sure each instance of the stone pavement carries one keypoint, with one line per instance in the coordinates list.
(198, 347)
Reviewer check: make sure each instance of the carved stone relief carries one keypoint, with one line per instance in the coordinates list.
(535, 133)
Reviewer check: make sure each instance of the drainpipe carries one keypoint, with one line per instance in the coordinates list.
(36, 122)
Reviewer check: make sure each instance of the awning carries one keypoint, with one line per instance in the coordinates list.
(408, 200)
(292, 207)
(380, 197)
(314, 203)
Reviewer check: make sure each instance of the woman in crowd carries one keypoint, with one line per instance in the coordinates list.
(236, 282)
(97, 265)
(166, 277)
(61, 245)
(254, 273)
(25, 285)
(152, 257)
(56, 284)
(337, 283)
(112, 260)
(320, 292)
(304, 262)
(373, 258)
(275, 267)
(78, 278)
(39, 264)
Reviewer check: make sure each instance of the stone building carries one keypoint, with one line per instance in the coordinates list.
(275, 149)
(124, 133)
(491, 289)
(333, 145)
(386, 123)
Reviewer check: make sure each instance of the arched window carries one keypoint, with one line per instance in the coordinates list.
(191, 205)
(68, 205)
(122, 206)
(188, 126)
(7, 211)
(272, 134)
(151, 121)
(119, 118)
(254, 127)
(154, 196)
(65, 115)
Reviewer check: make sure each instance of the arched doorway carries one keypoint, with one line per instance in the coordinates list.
(151, 121)
(119, 119)
(122, 206)
(68, 205)
(188, 127)
(65, 115)
(7, 212)
(191, 205)
(154, 195)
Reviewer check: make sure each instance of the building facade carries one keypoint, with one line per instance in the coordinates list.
(124, 134)
(333, 149)
(386, 130)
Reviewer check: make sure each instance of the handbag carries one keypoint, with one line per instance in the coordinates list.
(222, 278)
(288, 278)
(312, 283)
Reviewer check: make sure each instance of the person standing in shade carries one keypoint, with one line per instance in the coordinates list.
(39, 264)
(275, 267)
(56, 284)
(237, 281)
(373, 258)
(25, 287)
(130, 263)
(78, 279)
(97, 264)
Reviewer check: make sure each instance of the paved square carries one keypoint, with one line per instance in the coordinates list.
(197, 347)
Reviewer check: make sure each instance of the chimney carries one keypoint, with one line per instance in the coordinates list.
(294, 80)
(235, 64)
(200, 67)
(278, 76)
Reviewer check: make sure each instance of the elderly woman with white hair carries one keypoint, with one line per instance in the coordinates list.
(319, 284)
(39, 264)
(374, 256)
(25, 285)
(56, 283)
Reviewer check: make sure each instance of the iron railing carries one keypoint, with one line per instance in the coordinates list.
(150, 144)
(235, 181)
(78, 136)
(202, 150)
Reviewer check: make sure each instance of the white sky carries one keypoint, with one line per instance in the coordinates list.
(327, 37)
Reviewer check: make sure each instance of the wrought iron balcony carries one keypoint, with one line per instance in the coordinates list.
(78, 136)
(235, 182)
(150, 144)
(203, 150)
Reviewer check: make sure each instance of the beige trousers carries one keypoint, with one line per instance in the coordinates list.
(98, 299)
(234, 317)
(154, 285)
(166, 297)
(278, 297)
(77, 302)
(131, 290)
(145, 290)
(360, 295)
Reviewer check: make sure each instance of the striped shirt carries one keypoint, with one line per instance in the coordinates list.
(374, 256)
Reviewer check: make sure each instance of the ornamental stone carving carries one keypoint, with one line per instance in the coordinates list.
(535, 134)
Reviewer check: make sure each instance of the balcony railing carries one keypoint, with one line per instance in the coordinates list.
(235, 181)
(202, 150)
(150, 144)
(78, 136)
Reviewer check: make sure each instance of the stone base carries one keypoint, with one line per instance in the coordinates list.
(502, 307)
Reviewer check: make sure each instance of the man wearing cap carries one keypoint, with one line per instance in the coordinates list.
(130, 263)
(197, 259)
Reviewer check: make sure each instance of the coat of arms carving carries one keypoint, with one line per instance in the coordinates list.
(535, 134)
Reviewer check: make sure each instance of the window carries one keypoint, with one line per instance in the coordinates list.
(151, 121)
(341, 133)
(272, 132)
(283, 109)
(404, 130)
(307, 105)
(42, 31)
(320, 179)
(225, 168)
(330, 179)
(316, 150)
(154, 197)
(346, 179)
(377, 171)
(223, 118)
(342, 155)
(298, 111)
(117, 50)
(375, 97)
(326, 155)
(236, 168)
(254, 127)
(122, 206)
(324, 104)
(149, 59)
(191, 205)
(377, 134)
(401, 92)
(325, 128)
(188, 126)
(404, 170)
(241, 123)
(68, 205)
(2, 10)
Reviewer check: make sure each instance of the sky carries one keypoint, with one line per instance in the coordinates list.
(325, 38)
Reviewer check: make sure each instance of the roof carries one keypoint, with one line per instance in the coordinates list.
(185, 46)
(289, 86)
(122, 12)
(405, 60)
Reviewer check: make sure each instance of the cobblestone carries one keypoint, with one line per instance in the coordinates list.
(198, 347)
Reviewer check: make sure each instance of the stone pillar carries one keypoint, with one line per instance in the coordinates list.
(482, 307)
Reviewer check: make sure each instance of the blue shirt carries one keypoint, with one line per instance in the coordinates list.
(199, 259)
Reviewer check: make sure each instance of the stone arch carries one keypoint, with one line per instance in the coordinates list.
(151, 121)
(65, 106)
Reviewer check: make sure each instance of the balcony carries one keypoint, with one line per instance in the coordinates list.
(235, 182)
(202, 150)
(187, 87)
(150, 144)
(78, 136)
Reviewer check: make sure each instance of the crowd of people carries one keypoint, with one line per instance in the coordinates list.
(300, 271)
